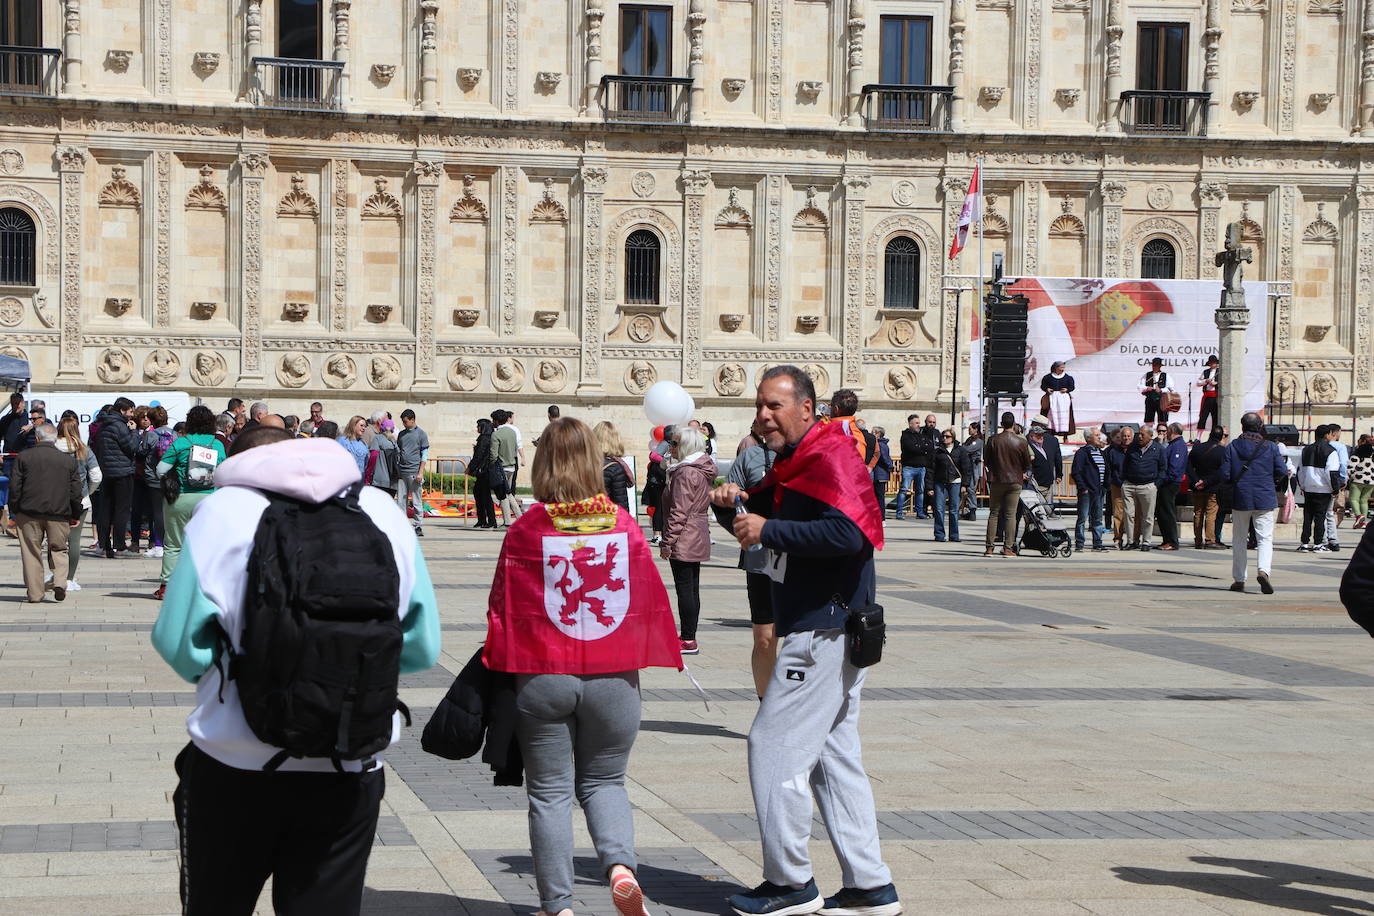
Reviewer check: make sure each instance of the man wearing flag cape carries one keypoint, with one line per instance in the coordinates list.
(817, 516)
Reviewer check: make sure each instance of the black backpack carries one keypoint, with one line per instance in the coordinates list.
(321, 640)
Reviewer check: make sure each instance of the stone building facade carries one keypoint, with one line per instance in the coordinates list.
(466, 203)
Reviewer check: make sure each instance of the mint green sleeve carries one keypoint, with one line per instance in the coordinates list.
(186, 634)
(420, 627)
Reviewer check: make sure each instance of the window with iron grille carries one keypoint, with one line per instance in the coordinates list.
(21, 23)
(641, 267)
(17, 241)
(901, 273)
(1157, 259)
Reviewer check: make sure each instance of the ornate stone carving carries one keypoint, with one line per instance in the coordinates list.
(293, 371)
(295, 311)
(427, 175)
(205, 62)
(809, 90)
(340, 371)
(11, 311)
(72, 162)
(339, 172)
(116, 366)
(1181, 236)
(732, 215)
(1067, 225)
(384, 373)
(161, 367)
(991, 95)
(117, 305)
(1288, 64)
(1211, 193)
(204, 311)
(773, 259)
(162, 45)
(899, 383)
(1246, 99)
(466, 318)
(547, 81)
(1324, 388)
(808, 324)
(730, 322)
(732, 87)
(640, 375)
(204, 195)
(162, 234)
(427, 170)
(904, 193)
(1249, 6)
(1319, 101)
(1321, 230)
(298, 202)
(901, 332)
(378, 312)
(254, 165)
(810, 216)
(640, 329)
(382, 204)
(119, 191)
(1326, 7)
(208, 369)
(550, 376)
(549, 210)
(671, 254)
(1159, 197)
(16, 352)
(881, 234)
(1113, 192)
(643, 183)
(469, 77)
(464, 375)
(71, 158)
(730, 380)
(117, 61)
(11, 162)
(1316, 333)
(507, 375)
(510, 196)
(1067, 98)
(468, 208)
(383, 73)
(545, 318)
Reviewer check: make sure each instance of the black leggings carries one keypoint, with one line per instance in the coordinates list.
(1209, 409)
(1314, 506)
(112, 515)
(687, 582)
(481, 496)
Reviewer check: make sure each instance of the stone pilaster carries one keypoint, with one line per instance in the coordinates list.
(1288, 65)
(252, 47)
(955, 188)
(343, 15)
(854, 65)
(429, 56)
(957, 25)
(252, 172)
(1034, 19)
(1366, 122)
(428, 173)
(509, 251)
(772, 259)
(773, 67)
(1030, 243)
(694, 185)
(1211, 75)
(1115, 82)
(162, 235)
(851, 337)
(338, 247)
(696, 60)
(1113, 195)
(508, 96)
(1287, 233)
(593, 177)
(1211, 195)
(1363, 379)
(71, 166)
(71, 46)
(162, 45)
(596, 68)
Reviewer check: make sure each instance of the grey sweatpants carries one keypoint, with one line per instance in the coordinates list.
(805, 742)
(575, 735)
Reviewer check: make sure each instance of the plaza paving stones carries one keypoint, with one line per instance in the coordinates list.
(1080, 736)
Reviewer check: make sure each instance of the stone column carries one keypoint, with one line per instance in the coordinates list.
(429, 56)
(772, 259)
(252, 47)
(252, 171)
(1113, 195)
(1115, 17)
(957, 24)
(511, 176)
(1211, 195)
(854, 76)
(852, 324)
(506, 88)
(694, 184)
(1232, 318)
(339, 174)
(696, 64)
(71, 166)
(428, 173)
(162, 235)
(1211, 67)
(1364, 290)
(1367, 71)
(343, 14)
(773, 39)
(71, 46)
(593, 177)
(595, 67)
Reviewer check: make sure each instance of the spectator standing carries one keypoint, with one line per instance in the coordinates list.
(519, 450)
(224, 430)
(615, 473)
(1255, 469)
(1205, 482)
(951, 469)
(1047, 462)
(753, 461)
(479, 469)
(917, 449)
(1319, 475)
(882, 470)
(686, 529)
(974, 446)
(1007, 458)
(88, 469)
(153, 444)
(312, 422)
(45, 501)
(1361, 480)
(1170, 485)
(1089, 473)
(1141, 472)
(1335, 513)
(1115, 454)
(194, 457)
(505, 444)
(413, 445)
(352, 441)
(384, 457)
(115, 449)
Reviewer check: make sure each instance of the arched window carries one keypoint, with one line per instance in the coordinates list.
(1157, 259)
(641, 267)
(901, 274)
(17, 240)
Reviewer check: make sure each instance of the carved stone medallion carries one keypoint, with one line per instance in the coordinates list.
(507, 375)
(384, 373)
(1159, 197)
(161, 367)
(730, 379)
(901, 332)
(900, 383)
(643, 183)
(11, 311)
(1286, 387)
(340, 371)
(116, 366)
(640, 329)
(16, 352)
(550, 376)
(11, 161)
(904, 193)
(819, 377)
(640, 376)
(464, 375)
(208, 369)
(293, 370)
(1324, 388)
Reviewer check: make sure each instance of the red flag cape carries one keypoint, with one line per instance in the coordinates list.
(576, 592)
(826, 467)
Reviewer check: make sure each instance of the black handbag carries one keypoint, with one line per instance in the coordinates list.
(171, 486)
(496, 479)
(865, 634)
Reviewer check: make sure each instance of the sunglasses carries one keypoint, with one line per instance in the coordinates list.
(946, 437)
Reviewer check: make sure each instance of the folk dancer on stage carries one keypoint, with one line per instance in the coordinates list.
(1057, 402)
(1210, 376)
(1159, 397)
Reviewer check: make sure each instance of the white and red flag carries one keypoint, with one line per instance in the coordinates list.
(970, 214)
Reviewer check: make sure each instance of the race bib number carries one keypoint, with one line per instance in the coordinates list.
(777, 566)
(204, 456)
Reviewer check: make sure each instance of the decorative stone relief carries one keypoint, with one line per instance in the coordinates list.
(298, 202)
(1030, 86)
(162, 46)
(694, 184)
(466, 318)
(1288, 64)
(851, 337)
(11, 311)
(809, 90)
(295, 311)
(732, 215)
(772, 60)
(640, 329)
(1250, 6)
(1321, 230)
(550, 376)
(162, 235)
(900, 383)
(1246, 99)
(819, 377)
(810, 216)
(469, 77)
(991, 95)
(1324, 388)
(1326, 7)
(1067, 98)
(253, 168)
(545, 318)
(643, 183)
(1066, 225)
(808, 324)
(468, 208)
(730, 380)
(1113, 192)
(340, 371)
(16, 352)
(293, 371)
(931, 249)
(208, 368)
(547, 81)
(116, 366)
(119, 191)
(671, 255)
(510, 54)
(1181, 236)
(594, 179)
(427, 174)
(378, 312)
(464, 375)
(383, 73)
(205, 62)
(382, 204)
(384, 373)
(730, 322)
(204, 311)
(117, 306)
(640, 375)
(204, 195)
(1320, 101)
(904, 193)
(161, 367)
(1159, 197)
(549, 210)
(1286, 387)
(508, 375)
(11, 162)
(72, 163)
(773, 258)
(1316, 333)
(339, 172)
(732, 87)
(901, 332)
(117, 61)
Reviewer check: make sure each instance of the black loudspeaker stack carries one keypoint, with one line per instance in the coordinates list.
(1282, 433)
(1004, 345)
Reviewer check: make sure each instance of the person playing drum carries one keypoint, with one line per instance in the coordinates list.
(1160, 399)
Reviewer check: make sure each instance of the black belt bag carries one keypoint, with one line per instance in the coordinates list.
(865, 633)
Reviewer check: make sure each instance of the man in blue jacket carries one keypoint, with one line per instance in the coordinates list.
(805, 737)
(1142, 469)
(1255, 469)
(1089, 473)
(1175, 468)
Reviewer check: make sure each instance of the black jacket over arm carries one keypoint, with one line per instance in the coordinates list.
(1357, 585)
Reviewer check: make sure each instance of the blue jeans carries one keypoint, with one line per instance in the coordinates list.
(1090, 506)
(946, 500)
(913, 483)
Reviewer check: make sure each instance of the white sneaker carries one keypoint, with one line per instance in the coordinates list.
(153, 552)
(47, 577)
(72, 586)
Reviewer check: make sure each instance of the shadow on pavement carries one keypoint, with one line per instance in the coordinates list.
(423, 903)
(688, 728)
(1271, 883)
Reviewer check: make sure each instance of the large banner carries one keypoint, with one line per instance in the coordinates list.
(1108, 331)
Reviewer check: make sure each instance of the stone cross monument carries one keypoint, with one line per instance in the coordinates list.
(1232, 318)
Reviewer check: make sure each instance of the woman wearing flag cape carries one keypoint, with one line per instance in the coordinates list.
(577, 608)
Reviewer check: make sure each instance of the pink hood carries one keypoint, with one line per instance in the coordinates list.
(310, 470)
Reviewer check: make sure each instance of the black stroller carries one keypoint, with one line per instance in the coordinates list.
(1041, 530)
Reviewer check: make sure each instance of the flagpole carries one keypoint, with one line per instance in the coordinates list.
(978, 290)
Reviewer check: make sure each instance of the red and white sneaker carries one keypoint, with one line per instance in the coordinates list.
(688, 647)
(627, 896)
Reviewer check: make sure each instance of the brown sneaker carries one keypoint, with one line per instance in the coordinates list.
(990, 552)
(1265, 585)
(1237, 586)
(1009, 553)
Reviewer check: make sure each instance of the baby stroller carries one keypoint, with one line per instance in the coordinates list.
(1042, 531)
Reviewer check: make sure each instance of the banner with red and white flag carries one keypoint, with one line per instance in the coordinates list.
(971, 213)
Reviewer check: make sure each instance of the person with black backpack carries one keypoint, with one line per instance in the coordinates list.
(299, 599)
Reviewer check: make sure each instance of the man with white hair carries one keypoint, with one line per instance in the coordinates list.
(45, 500)
(256, 413)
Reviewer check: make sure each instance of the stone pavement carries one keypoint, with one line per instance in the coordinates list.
(1112, 734)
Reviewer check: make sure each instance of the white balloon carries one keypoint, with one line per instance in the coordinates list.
(668, 404)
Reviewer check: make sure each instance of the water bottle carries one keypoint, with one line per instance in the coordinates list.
(740, 510)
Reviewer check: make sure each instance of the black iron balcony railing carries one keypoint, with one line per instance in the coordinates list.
(889, 106)
(28, 71)
(1167, 112)
(645, 98)
(305, 85)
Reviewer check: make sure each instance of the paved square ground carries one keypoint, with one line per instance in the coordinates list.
(1111, 734)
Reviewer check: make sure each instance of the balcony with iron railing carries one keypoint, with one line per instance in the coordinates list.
(1169, 113)
(298, 85)
(645, 98)
(891, 106)
(29, 71)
